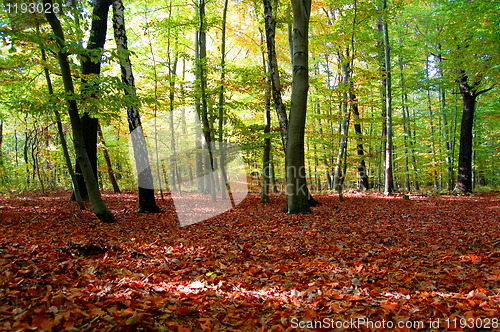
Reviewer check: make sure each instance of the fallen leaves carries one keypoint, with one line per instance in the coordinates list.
(252, 268)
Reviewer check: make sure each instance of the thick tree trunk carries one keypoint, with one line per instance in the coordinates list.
(92, 65)
(98, 206)
(297, 192)
(464, 180)
(147, 201)
(89, 127)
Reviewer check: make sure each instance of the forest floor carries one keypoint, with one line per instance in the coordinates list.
(367, 263)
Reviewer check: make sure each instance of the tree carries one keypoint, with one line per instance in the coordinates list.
(469, 93)
(468, 52)
(98, 206)
(274, 74)
(297, 192)
(147, 202)
(387, 103)
(266, 157)
(91, 66)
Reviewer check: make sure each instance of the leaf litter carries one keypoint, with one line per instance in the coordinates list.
(252, 268)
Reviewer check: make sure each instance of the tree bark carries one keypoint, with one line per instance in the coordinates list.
(107, 159)
(431, 128)
(98, 206)
(266, 158)
(147, 201)
(469, 92)
(91, 64)
(297, 192)
(387, 106)
(338, 174)
(464, 180)
(270, 24)
(225, 187)
(202, 110)
(62, 138)
(446, 132)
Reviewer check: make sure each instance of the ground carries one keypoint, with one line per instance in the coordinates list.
(367, 263)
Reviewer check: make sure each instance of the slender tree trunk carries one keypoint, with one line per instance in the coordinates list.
(432, 134)
(266, 159)
(406, 130)
(198, 128)
(147, 201)
(297, 192)
(203, 111)
(362, 171)
(225, 187)
(270, 23)
(338, 175)
(159, 166)
(176, 185)
(388, 176)
(446, 135)
(413, 142)
(62, 138)
(98, 206)
(107, 159)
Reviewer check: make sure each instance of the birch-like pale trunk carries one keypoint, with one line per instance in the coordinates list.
(147, 201)
(388, 176)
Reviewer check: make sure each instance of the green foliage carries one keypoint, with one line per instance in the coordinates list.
(446, 36)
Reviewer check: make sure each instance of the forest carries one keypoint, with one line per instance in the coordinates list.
(249, 165)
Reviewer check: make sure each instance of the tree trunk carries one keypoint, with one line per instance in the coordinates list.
(469, 96)
(107, 159)
(225, 187)
(90, 66)
(175, 185)
(464, 180)
(446, 135)
(339, 175)
(147, 201)
(297, 192)
(62, 138)
(388, 176)
(266, 158)
(431, 128)
(363, 172)
(202, 110)
(98, 206)
(270, 23)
